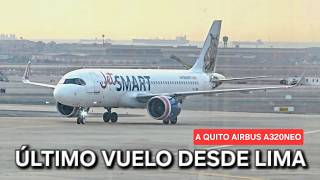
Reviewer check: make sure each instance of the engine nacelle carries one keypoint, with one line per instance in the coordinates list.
(163, 107)
(68, 111)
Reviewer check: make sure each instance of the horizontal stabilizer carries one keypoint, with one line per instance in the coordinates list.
(242, 78)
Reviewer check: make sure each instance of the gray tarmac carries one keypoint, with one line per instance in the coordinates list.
(42, 128)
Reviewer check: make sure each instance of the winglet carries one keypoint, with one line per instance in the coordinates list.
(26, 76)
(27, 72)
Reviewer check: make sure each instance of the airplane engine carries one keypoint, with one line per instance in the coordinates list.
(68, 111)
(163, 107)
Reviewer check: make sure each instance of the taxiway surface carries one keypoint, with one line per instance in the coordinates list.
(42, 127)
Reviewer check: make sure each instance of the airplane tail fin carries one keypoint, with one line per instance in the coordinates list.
(207, 59)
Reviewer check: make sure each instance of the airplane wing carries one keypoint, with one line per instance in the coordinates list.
(144, 97)
(184, 64)
(26, 75)
(242, 78)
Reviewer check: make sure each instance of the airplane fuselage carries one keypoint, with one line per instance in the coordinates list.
(119, 87)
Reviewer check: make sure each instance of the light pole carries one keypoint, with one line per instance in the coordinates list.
(225, 41)
(103, 40)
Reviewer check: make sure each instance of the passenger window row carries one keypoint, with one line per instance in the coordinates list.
(176, 82)
(313, 80)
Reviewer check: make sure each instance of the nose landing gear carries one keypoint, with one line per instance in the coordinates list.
(81, 119)
(107, 116)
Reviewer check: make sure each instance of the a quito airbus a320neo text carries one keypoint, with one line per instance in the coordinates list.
(160, 91)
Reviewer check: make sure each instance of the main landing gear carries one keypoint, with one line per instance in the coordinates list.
(171, 120)
(107, 116)
(83, 112)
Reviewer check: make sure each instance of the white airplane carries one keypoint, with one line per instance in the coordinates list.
(160, 91)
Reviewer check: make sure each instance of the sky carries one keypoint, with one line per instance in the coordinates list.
(245, 20)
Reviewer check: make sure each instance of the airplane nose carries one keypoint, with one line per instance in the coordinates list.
(64, 95)
(69, 94)
(59, 94)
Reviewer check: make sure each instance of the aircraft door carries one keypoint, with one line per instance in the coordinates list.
(94, 90)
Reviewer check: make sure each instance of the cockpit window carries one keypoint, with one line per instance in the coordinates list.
(77, 81)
